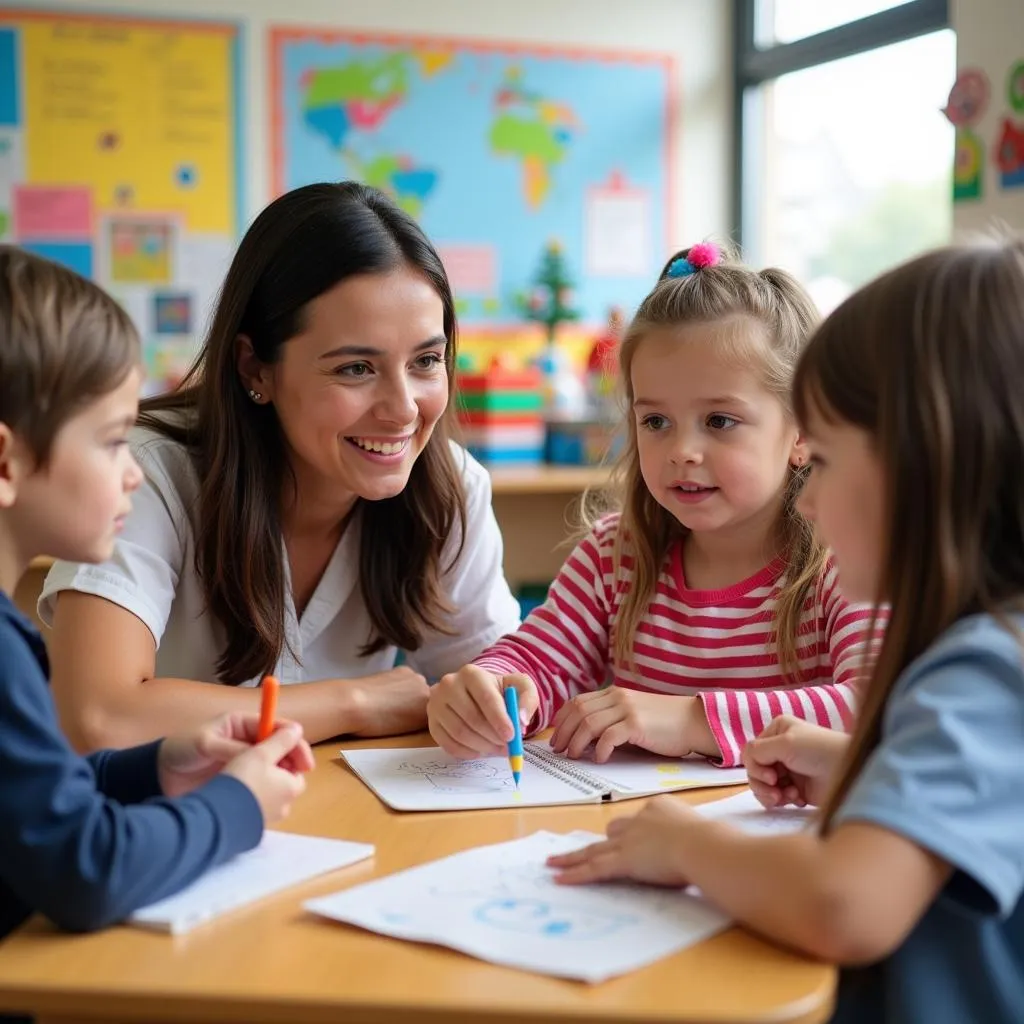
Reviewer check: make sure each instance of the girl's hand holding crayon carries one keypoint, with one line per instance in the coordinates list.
(667, 725)
(643, 848)
(466, 711)
(793, 762)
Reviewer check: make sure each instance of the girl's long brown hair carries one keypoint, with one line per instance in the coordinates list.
(929, 361)
(302, 245)
(775, 302)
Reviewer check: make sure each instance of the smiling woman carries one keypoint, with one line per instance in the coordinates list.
(305, 513)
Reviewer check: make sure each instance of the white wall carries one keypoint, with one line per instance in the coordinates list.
(990, 36)
(697, 32)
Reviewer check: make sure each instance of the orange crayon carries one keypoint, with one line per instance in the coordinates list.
(268, 707)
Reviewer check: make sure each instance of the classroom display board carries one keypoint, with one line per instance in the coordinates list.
(120, 157)
(497, 150)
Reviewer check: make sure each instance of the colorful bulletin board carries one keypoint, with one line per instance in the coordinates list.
(120, 156)
(496, 149)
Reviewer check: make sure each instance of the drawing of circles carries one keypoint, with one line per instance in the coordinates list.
(539, 917)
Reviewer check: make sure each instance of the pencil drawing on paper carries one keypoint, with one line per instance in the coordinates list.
(460, 777)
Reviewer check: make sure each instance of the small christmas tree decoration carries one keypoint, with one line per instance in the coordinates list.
(549, 302)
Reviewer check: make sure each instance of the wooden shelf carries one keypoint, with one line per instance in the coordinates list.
(548, 479)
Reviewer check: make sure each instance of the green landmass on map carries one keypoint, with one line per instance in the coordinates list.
(533, 130)
(354, 100)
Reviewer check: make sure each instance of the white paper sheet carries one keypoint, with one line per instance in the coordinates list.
(500, 903)
(281, 860)
(617, 233)
(744, 811)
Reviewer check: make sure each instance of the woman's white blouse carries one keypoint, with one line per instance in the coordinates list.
(152, 574)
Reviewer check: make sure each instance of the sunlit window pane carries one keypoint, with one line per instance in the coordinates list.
(855, 173)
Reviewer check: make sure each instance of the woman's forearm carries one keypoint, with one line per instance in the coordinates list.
(162, 706)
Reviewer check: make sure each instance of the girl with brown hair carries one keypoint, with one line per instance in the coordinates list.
(305, 513)
(910, 398)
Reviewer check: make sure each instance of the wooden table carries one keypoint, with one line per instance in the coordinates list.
(275, 962)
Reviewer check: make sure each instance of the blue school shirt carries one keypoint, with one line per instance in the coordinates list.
(949, 776)
(87, 840)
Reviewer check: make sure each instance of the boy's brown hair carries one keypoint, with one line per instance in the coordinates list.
(64, 342)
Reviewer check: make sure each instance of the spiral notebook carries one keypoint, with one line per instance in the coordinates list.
(427, 779)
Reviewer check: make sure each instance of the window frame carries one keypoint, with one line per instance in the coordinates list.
(754, 66)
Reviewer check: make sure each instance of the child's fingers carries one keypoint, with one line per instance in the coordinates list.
(466, 722)
(453, 746)
(490, 704)
(600, 862)
(766, 774)
(767, 796)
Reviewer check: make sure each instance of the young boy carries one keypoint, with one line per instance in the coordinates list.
(87, 840)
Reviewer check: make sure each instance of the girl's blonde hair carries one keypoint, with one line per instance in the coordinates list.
(928, 360)
(722, 292)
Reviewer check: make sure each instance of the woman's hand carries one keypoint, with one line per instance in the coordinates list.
(388, 703)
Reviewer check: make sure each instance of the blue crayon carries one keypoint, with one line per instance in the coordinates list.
(515, 745)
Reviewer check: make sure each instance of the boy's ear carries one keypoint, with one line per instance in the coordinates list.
(254, 375)
(799, 455)
(15, 465)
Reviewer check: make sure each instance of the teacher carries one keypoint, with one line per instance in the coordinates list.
(305, 512)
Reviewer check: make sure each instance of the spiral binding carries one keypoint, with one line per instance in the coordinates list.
(551, 764)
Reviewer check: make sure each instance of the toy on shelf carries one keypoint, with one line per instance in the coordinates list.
(565, 394)
(603, 368)
(587, 442)
(501, 412)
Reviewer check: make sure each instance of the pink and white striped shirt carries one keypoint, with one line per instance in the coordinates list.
(712, 644)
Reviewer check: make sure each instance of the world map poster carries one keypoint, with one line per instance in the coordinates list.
(497, 151)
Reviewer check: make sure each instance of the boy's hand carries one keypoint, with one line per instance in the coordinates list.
(666, 725)
(260, 768)
(186, 762)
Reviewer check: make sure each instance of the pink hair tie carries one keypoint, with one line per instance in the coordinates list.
(703, 254)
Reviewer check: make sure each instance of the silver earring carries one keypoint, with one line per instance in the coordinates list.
(256, 396)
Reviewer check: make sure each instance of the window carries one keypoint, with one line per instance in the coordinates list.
(784, 21)
(845, 156)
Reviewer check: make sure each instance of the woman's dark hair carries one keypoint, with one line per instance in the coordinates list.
(301, 246)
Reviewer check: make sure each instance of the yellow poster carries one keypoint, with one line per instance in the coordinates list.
(142, 112)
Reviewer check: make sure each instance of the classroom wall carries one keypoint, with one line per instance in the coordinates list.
(990, 36)
(696, 32)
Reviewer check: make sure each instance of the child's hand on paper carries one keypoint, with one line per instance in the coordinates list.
(186, 762)
(666, 725)
(642, 848)
(466, 711)
(793, 762)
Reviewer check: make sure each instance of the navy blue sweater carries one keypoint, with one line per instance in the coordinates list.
(87, 840)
